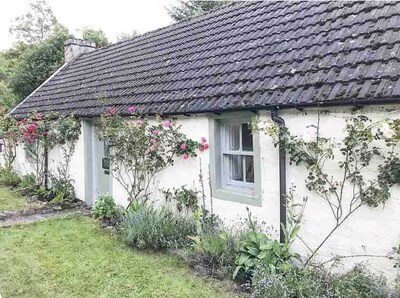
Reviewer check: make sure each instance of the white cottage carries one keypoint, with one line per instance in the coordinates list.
(287, 62)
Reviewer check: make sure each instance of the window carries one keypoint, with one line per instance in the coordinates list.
(235, 160)
(237, 155)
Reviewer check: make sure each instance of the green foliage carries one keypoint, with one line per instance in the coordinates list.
(139, 149)
(28, 185)
(214, 250)
(104, 208)
(8, 177)
(61, 191)
(188, 8)
(158, 229)
(291, 283)
(359, 282)
(10, 132)
(36, 25)
(38, 63)
(184, 198)
(98, 37)
(314, 283)
(257, 249)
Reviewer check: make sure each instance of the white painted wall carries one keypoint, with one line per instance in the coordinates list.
(371, 230)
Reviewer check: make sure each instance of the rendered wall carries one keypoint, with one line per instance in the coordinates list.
(369, 231)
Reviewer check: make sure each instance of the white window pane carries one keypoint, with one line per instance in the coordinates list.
(247, 138)
(235, 167)
(249, 169)
(234, 137)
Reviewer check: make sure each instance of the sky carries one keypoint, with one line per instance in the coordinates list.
(112, 16)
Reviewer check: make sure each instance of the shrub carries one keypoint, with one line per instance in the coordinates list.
(215, 252)
(104, 208)
(306, 282)
(61, 191)
(184, 199)
(257, 249)
(9, 177)
(28, 186)
(161, 229)
(293, 283)
(359, 282)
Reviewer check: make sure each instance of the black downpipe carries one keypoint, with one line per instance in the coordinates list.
(282, 176)
(46, 167)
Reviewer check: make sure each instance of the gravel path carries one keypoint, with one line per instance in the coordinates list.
(20, 220)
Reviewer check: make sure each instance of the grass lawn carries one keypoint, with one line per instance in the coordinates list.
(11, 200)
(75, 258)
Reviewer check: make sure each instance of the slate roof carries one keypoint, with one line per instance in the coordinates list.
(244, 55)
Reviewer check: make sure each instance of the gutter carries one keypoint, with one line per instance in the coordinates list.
(282, 177)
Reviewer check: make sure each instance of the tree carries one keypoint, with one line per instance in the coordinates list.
(36, 25)
(190, 8)
(38, 63)
(127, 36)
(96, 36)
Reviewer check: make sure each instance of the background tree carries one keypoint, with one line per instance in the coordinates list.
(36, 25)
(188, 8)
(96, 36)
(38, 63)
(127, 36)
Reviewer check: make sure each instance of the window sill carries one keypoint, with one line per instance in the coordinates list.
(239, 196)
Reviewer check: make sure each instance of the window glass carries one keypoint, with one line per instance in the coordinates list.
(249, 169)
(235, 167)
(234, 137)
(247, 138)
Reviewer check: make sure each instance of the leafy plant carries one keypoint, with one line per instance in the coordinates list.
(139, 149)
(28, 185)
(184, 198)
(359, 282)
(9, 177)
(292, 282)
(62, 191)
(104, 208)
(257, 249)
(158, 229)
(215, 251)
(309, 282)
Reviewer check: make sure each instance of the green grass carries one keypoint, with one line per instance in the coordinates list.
(11, 200)
(75, 258)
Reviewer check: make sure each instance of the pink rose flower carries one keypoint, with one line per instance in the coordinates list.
(206, 146)
(38, 117)
(139, 122)
(152, 141)
(131, 109)
(183, 146)
(185, 156)
(112, 110)
(203, 140)
(166, 123)
(156, 132)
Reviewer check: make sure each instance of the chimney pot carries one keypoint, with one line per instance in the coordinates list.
(74, 47)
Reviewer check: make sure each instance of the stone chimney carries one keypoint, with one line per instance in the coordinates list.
(74, 47)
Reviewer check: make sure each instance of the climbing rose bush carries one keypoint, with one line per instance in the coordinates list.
(42, 132)
(140, 148)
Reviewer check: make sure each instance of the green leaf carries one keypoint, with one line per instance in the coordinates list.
(242, 259)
